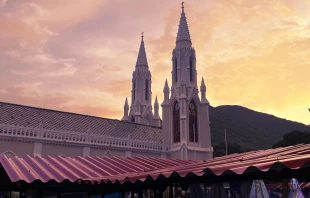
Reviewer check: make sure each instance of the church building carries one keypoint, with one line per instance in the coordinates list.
(182, 132)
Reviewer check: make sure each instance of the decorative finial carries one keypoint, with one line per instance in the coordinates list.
(182, 5)
(142, 36)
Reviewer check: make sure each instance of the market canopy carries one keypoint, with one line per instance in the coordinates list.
(131, 170)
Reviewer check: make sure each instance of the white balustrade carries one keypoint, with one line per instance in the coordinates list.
(88, 138)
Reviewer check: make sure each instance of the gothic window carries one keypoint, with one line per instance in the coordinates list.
(176, 123)
(191, 69)
(176, 70)
(146, 89)
(134, 90)
(132, 119)
(193, 128)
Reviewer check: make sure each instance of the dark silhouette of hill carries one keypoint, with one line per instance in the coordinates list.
(250, 129)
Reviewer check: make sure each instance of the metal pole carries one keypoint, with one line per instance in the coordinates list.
(225, 141)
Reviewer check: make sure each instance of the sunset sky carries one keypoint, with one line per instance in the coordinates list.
(78, 56)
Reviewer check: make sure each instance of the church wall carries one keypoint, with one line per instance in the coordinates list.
(117, 153)
(139, 154)
(96, 152)
(199, 155)
(55, 150)
(204, 127)
(175, 155)
(18, 148)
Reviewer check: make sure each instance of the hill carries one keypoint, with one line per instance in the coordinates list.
(250, 129)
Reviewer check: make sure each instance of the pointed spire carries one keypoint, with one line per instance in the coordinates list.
(166, 84)
(156, 107)
(156, 101)
(202, 86)
(203, 82)
(166, 91)
(203, 92)
(126, 103)
(126, 108)
(183, 32)
(142, 60)
(166, 87)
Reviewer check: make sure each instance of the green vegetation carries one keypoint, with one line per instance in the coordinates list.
(249, 129)
(293, 138)
(220, 149)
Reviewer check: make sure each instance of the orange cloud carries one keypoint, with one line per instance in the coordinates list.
(252, 53)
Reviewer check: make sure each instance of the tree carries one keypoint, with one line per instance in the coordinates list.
(293, 138)
(220, 149)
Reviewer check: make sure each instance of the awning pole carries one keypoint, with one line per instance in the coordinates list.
(171, 191)
(285, 188)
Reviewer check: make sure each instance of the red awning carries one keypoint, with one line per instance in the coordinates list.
(120, 169)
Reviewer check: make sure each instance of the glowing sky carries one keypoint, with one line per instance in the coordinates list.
(79, 56)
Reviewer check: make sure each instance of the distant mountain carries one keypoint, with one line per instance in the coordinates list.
(250, 129)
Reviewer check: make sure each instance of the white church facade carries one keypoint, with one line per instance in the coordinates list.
(183, 131)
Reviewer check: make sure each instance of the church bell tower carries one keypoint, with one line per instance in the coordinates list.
(141, 110)
(186, 124)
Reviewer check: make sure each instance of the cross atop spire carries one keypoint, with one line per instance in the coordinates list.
(183, 32)
(142, 60)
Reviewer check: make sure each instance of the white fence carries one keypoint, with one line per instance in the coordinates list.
(73, 137)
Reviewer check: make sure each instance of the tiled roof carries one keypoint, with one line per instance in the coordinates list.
(19, 115)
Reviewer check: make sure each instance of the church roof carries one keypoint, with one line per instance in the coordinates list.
(25, 116)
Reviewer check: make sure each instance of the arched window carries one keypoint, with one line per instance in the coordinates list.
(132, 119)
(191, 69)
(176, 123)
(146, 89)
(176, 70)
(134, 90)
(193, 128)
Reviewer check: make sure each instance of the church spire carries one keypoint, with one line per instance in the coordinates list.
(183, 32)
(203, 85)
(142, 60)
(166, 91)
(203, 91)
(156, 107)
(126, 108)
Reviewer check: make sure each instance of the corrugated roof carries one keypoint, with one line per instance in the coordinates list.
(120, 169)
(264, 160)
(30, 169)
(19, 115)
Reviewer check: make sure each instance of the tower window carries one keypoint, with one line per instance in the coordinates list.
(191, 69)
(176, 70)
(134, 90)
(146, 89)
(176, 123)
(193, 128)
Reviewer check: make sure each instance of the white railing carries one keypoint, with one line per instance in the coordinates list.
(86, 138)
